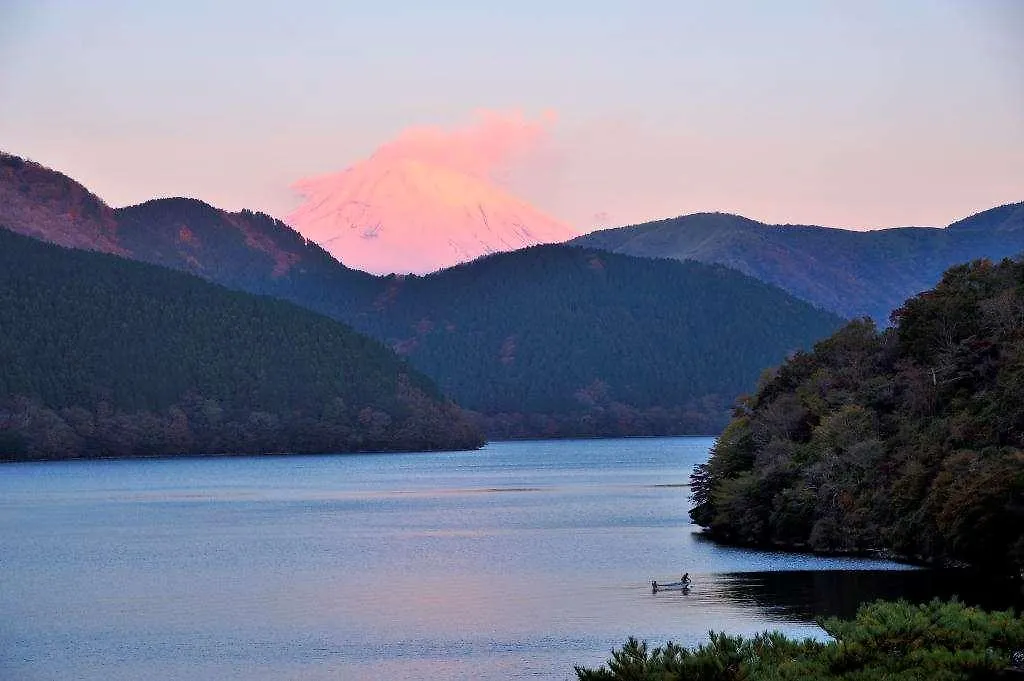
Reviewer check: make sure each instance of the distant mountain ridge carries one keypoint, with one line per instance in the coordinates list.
(849, 272)
(49, 205)
(551, 340)
(1006, 218)
(245, 250)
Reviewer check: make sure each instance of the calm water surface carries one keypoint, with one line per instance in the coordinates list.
(513, 562)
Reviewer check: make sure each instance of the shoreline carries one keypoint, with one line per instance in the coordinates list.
(877, 554)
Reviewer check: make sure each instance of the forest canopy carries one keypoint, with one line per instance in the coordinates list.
(102, 356)
(547, 341)
(906, 441)
(886, 640)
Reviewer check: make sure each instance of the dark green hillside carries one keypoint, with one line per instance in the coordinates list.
(908, 441)
(100, 355)
(605, 348)
(588, 335)
(533, 350)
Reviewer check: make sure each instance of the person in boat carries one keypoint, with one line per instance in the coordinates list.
(685, 579)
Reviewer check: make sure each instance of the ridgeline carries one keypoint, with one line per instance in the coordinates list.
(852, 273)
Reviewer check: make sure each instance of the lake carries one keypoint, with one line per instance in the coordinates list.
(513, 562)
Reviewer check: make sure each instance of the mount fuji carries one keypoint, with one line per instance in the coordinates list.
(405, 215)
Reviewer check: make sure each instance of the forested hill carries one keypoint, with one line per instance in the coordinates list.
(854, 273)
(908, 441)
(562, 340)
(102, 356)
(613, 345)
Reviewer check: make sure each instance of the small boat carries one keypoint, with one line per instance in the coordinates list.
(681, 585)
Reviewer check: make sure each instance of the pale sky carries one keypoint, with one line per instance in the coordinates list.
(857, 114)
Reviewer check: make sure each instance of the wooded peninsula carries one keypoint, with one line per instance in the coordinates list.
(905, 442)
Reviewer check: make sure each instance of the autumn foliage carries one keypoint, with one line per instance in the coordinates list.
(907, 440)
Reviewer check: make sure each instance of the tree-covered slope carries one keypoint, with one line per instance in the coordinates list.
(854, 273)
(100, 355)
(245, 250)
(908, 440)
(611, 346)
(562, 330)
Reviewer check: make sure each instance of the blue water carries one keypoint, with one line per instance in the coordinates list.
(513, 562)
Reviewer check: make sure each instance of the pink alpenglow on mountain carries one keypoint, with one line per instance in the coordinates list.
(428, 200)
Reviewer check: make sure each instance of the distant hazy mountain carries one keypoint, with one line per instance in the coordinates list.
(851, 273)
(102, 356)
(391, 214)
(552, 340)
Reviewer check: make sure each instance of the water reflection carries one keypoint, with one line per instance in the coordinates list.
(513, 562)
(810, 594)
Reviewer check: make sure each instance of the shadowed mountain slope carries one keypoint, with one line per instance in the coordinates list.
(851, 273)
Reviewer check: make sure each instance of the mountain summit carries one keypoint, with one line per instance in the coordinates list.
(848, 272)
(429, 199)
(405, 215)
